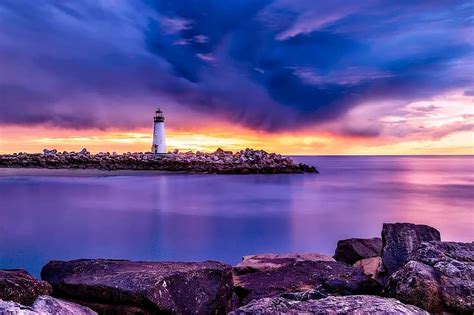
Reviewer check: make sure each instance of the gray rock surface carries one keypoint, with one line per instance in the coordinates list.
(44, 305)
(438, 277)
(314, 278)
(14, 308)
(49, 305)
(19, 286)
(354, 249)
(400, 239)
(273, 261)
(356, 304)
(122, 286)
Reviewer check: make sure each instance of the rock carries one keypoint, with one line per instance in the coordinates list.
(354, 249)
(438, 277)
(400, 239)
(322, 277)
(247, 161)
(48, 152)
(14, 308)
(123, 286)
(19, 286)
(356, 304)
(50, 305)
(44, 305)
(273, 261)
(373, 267)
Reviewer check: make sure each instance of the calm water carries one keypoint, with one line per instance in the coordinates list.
(223, 217)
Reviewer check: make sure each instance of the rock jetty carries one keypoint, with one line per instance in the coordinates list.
(246, 161)
(434, 276)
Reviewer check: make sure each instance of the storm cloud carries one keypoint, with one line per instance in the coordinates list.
(269, 65)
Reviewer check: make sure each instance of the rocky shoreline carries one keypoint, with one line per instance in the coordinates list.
(246, 161)
(409, 270)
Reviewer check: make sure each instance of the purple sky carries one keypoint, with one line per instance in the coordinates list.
(266, 65)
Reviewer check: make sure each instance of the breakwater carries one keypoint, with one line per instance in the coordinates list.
(246, 161)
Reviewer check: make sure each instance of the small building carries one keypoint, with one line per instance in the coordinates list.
(159, 143)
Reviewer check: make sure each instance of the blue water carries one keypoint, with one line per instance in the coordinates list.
(223, 217)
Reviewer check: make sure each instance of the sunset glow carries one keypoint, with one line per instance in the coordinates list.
(438, 126)
(291, 77)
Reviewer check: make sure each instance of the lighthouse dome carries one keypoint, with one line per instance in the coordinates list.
(159, 116)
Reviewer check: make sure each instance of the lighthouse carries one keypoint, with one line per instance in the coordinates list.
(159, 144)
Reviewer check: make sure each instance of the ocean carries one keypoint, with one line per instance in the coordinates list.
(183, 217)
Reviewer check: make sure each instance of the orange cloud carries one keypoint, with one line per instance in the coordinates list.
(14, 139)
(442, 125)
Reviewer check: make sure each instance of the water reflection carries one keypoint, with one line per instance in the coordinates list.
(182, 217)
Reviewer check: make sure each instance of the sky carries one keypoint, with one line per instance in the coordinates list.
(291, 76)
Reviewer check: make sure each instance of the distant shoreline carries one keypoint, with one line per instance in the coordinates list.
(64, 172)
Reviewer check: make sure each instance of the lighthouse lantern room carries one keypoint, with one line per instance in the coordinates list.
(159, 143)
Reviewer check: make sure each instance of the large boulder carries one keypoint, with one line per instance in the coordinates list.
(273, 261)
(19, 286)
(122, 286)
(354, 249)
(438, 277)
(318, 277)
(400, 239)
(44, 305)
(356, 304)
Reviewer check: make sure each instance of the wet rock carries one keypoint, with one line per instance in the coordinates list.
(438, 277)
(357, 304)
(400, 239)
(354, 249)
(322, 277)
(19, 286)
(123, 286)
(50, 305)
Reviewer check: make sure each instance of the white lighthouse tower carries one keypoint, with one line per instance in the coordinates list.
(159, 143)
